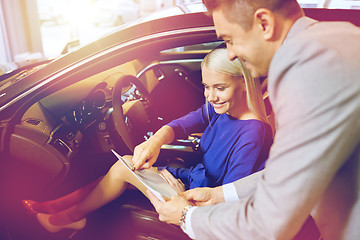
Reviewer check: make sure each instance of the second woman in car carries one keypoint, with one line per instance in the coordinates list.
(235, 143)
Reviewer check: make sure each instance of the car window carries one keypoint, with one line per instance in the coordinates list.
(195, 47)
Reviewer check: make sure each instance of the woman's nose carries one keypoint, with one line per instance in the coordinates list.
(210, 95)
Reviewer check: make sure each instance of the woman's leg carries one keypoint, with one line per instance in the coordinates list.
(111, 186)
(65, 202)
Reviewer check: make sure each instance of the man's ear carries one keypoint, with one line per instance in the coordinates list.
(264, 19)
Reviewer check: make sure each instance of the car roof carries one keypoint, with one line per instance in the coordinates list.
(130, 34)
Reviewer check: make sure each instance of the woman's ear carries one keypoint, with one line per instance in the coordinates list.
(264, 20)
(242, 84)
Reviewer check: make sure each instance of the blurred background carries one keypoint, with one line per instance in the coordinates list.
(32, 30)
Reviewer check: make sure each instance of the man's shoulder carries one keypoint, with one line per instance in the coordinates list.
(321, 34)
(315, 46)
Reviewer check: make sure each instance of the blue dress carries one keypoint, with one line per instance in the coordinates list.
(231, 148)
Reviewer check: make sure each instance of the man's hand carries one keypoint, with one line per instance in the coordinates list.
(171, 210)
(204, 196)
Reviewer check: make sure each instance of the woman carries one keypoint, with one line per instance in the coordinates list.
(235, 144)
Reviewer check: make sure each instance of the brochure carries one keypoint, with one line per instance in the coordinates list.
(152, 180)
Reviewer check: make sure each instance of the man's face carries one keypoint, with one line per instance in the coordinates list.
(245, 45)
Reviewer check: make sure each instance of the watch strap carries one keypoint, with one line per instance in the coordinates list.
(183, 217)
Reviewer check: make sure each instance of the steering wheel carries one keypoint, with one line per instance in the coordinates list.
(139, 117)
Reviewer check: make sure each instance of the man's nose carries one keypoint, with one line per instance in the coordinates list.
(231, 54)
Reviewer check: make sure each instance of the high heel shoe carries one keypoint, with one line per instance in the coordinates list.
(44, 221)
(29, 206)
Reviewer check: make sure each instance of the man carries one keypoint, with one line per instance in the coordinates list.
(313, 71)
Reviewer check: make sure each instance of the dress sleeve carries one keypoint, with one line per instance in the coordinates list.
(247, 156)
(193, 122)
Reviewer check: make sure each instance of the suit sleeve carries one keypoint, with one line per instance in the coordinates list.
(317, 112)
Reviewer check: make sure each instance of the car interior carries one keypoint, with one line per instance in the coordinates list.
(84, 116)
(66, 136)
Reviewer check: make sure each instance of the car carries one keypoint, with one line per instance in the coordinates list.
(60, 119)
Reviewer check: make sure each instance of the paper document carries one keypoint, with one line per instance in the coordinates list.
(152, 180)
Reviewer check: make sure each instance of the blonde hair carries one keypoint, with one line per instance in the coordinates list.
(217, 60)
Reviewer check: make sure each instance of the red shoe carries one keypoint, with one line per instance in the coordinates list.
(44, 221)
(29, 206)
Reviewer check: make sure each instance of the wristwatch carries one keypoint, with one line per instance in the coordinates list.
(183, 217)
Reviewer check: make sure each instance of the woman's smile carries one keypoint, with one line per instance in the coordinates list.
(218, 105)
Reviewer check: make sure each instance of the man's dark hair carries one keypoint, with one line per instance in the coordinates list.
(242, 11)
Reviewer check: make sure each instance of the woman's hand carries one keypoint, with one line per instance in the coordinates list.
(176, 184)
(204, 196)
(146, 153)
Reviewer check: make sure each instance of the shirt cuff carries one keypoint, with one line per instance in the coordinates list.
(230, 193)
(189, 231)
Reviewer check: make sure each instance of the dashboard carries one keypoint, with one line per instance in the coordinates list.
(53, 130)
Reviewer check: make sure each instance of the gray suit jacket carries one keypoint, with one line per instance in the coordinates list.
(314, 163)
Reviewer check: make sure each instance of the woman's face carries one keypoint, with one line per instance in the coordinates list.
(224, 92)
